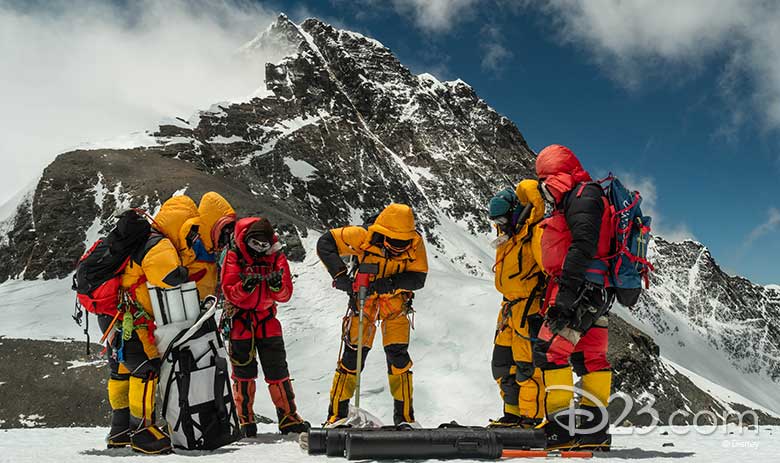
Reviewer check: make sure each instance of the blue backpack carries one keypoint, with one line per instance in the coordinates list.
(627, 265)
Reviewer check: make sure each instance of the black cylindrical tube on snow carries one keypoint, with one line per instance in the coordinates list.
(332, 442)
(317, 440)
(520, 439)
(423, 444)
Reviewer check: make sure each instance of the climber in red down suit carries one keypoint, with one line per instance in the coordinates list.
(255, 277)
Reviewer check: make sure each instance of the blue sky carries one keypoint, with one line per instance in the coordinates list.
(680, 98)
(684, 121)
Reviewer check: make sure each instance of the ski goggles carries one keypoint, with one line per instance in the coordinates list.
(545, 191)
(502, 220)
(258, 245)
(397, 246)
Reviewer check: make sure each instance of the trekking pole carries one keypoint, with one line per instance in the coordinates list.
(360, 286)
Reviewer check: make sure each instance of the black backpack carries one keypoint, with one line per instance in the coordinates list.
(96, 280)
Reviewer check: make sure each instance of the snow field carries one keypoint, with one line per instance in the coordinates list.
(722, 444)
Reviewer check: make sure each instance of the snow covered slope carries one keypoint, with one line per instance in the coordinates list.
(723, 328)
(342, 129)
(712, 445)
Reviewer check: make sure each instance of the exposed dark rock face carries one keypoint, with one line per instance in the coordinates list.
(641, 373)
(343, 129)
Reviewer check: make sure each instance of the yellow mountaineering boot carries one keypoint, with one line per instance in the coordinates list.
(559, 425)
(342, 390)
(401, 389)
(119, 434)
(145, 436)
(593, 429)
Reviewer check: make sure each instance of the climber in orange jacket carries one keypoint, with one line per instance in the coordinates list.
(135, 361)
(392, 245)
(519, 277)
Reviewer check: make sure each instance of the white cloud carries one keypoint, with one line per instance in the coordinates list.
(436, 15)
(650, 206)
(496, 53)
(74, 71)
(772, 223)
(640, 39)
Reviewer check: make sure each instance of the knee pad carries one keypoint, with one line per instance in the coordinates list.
(398, 360)
(524, 371)
(502, 361)
(349, 359)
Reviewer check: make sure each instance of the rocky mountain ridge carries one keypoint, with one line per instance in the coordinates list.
(342, 129)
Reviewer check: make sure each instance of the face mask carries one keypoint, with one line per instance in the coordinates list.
(549, 199)
(257, 246)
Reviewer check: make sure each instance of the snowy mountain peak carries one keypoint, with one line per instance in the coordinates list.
(343, 129)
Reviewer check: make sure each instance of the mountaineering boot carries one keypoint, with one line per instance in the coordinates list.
(119, 434)
(401, 389)
(558, 431)
(148, 439)
(510, 420)
(293, 424)
(283, 397)
(593, 430)
(342, 390)
(249, 429)
(145, 437)
(244, 398)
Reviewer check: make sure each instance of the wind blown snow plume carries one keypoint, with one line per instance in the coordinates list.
(88, 70)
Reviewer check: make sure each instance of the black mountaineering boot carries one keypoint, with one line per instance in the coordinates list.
(249, 429)
(293, 424)
(510, 420)
(593, 430)
(150, 439)
(557, 431)
(119, 434)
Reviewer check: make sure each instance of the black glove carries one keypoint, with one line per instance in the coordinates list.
(562, 313)
(250, 281)
(343, 283)
(558, 318)
(567, 296)
(381, 286)
(274, 280)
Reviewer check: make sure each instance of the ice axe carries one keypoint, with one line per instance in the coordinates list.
(360, 287)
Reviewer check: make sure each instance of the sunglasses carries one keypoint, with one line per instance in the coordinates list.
(503, 220)
(258, 246)
(397, 246)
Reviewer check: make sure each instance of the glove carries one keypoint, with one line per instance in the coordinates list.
(567, 296)
(274, 280)
(562, 313)
(558, 318)
(250, 281)
(381, 286)
(343, 283)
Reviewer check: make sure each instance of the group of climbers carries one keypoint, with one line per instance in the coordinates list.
(555, 242)
(186, 243)
(554, 235)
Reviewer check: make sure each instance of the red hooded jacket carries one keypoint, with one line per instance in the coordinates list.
(238, 263)
(579, 231)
